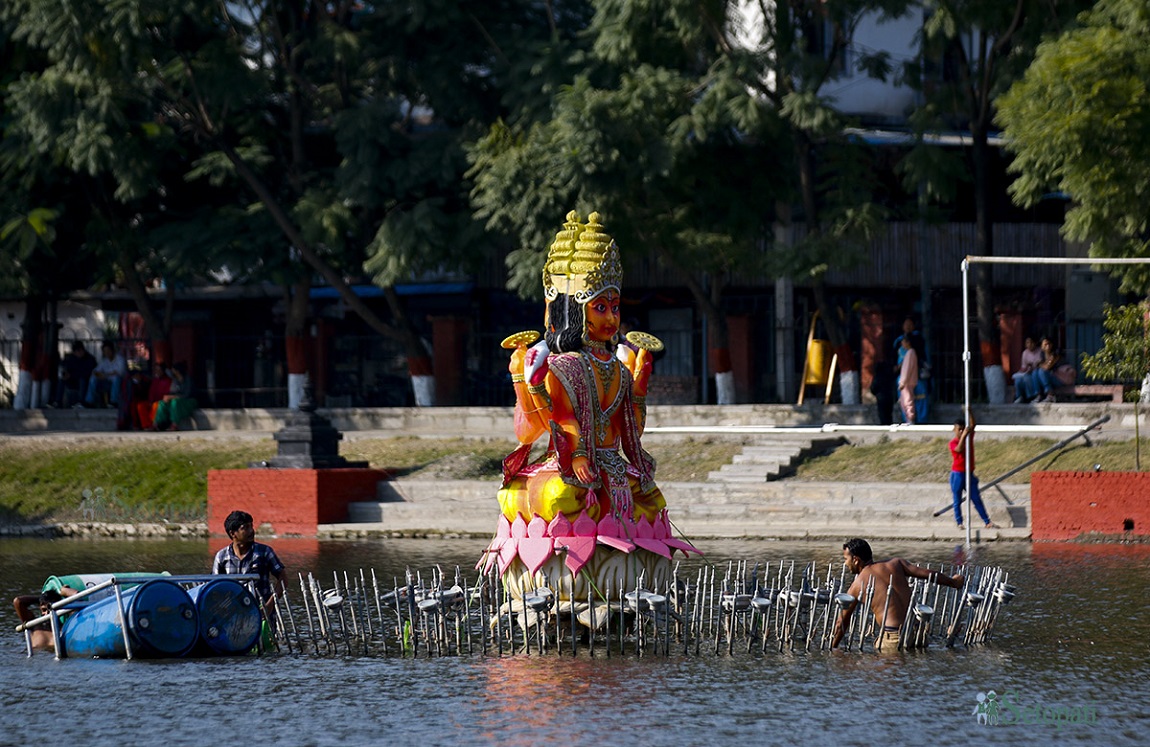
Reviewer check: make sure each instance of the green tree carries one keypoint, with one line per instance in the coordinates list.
(972, 51)
(686, 125)
(92, 152)
(1124, 356)
(339, 124)
(1079, 122)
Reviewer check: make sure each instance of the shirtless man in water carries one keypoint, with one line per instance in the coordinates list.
(31, 606)
(859, 559)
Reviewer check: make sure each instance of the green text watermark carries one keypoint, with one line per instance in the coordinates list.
(1009, 709)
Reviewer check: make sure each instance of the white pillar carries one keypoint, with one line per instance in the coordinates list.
(849, 387)
(424, 387)
(995, 384)
(725, 388)
(23, 398)
(296, 383)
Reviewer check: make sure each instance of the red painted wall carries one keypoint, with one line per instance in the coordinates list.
(741, 339)
(449, 358)
(873, 346)
(291, 501)
(1064, 505)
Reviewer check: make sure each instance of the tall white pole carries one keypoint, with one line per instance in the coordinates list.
(966, 383)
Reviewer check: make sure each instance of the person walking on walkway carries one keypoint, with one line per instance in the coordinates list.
(908, 381)
(964, 435)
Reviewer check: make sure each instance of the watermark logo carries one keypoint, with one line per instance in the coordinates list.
(1008, 709)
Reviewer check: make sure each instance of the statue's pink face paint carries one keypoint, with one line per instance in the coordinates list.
(603, 316)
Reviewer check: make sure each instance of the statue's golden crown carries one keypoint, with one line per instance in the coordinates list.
(582, 262)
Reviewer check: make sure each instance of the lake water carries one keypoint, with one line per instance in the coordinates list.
(1076, 640)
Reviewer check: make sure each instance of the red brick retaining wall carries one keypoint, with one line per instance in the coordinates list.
(291, 501)
(1064, 505)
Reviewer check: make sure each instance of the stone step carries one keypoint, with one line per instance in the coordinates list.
(743, 473)
(751, 460)
(784, 509)
(770, 460)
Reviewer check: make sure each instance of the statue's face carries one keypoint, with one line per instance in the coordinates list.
(602, 313)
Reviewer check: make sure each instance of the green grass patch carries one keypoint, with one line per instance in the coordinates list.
(126, 481)
(929, 461)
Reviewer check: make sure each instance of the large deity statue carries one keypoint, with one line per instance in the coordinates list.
(587, 519)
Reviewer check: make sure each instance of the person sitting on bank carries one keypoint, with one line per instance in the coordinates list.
(109, 374)
(159, 387)
(75, 372)
(30, 606)
(178, 404)
(1025, 387)
(891, 573)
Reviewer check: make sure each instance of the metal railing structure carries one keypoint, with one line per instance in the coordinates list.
(744, 608)
(966, 354)
(71, 604)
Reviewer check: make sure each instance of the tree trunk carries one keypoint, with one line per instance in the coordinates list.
(719, 341)
(989, 343)
(32, 330)
(419, 364)
(847, 368)
(708, 300)
(157, 328)
(296, 341)
(419, 361)
(48, 359)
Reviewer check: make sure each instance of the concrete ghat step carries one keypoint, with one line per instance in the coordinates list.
(779, 509)
(768, 461)
(751, 459)
(754, 475)
(771, 452)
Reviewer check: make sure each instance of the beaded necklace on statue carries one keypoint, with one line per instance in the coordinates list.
(606, 375)
(606, 371)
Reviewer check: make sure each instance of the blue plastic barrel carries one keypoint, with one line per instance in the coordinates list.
(229, 617)
(160, 616)
(81, 581)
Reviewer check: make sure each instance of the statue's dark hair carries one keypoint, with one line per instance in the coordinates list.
(235, 520)
(565, 324)
(568, 317)
(860, 549)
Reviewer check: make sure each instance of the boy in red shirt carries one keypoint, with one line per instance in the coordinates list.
(962, 432)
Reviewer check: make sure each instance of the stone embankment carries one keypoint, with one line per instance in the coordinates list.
(105, 530)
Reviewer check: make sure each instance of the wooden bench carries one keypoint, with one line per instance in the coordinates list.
(1113, 391)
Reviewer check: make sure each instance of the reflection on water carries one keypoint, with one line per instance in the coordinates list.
(1077, 634)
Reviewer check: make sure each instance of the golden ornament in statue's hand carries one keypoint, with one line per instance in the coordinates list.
(643, 341)
(521, 339)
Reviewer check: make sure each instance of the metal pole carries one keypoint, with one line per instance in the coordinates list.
(123, 621)
(966, 382)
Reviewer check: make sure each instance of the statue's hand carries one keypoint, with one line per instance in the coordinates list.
(536, 362)
(642, 373)
(518, 356)
(582, 468)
